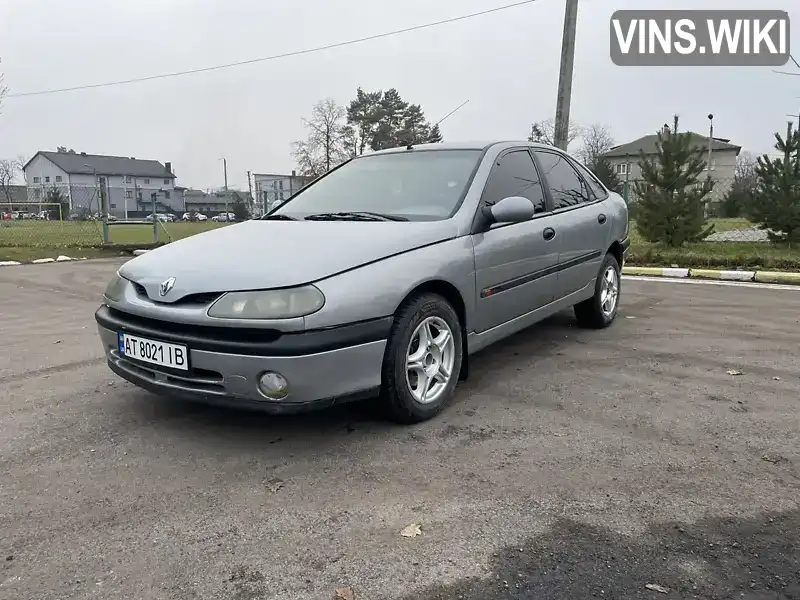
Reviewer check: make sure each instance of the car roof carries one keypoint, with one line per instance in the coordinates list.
(475, 145)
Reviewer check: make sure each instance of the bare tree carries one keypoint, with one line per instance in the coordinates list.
(10, 168)
(329, 139)
(597, 140)
(307, 155)
(3, 89)
(543, 132)
(745, 171)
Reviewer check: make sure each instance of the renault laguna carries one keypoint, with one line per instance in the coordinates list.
(378, 280)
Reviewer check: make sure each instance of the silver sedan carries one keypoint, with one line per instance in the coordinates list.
(377, 280)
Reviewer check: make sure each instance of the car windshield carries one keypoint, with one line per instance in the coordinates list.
(422, 185)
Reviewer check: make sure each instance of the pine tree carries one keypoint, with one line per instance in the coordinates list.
(670, 205)
(414, 129)
(776, 204)
(604, 171)
(56, 197)
(363, 114)
(435, 135)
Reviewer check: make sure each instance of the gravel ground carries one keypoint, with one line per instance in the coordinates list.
(573, 464)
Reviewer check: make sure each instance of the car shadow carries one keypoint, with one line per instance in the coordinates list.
(745, 558)
(540, 339)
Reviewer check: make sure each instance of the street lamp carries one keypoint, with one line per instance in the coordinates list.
(710, 140)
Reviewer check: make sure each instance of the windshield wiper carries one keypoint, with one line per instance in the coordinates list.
(277, 218)
(354, 216)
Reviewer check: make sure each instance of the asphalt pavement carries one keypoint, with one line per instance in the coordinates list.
(662, 452)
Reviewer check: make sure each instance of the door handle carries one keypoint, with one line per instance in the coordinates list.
(601, 219)
(549, 233)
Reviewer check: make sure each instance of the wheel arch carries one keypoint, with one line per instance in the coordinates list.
(450, 293)
(616, 251)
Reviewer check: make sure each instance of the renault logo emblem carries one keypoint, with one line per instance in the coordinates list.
(165, 287)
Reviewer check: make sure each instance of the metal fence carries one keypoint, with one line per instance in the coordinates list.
(726, 209)
(70, 216)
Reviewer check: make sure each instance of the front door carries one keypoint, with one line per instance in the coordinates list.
(514, 263)
(585, 221)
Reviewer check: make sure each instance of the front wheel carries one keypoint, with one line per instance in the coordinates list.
(423, 359)
(600, 310)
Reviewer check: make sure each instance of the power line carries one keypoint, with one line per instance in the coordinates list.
(275, 56)
(797, 64)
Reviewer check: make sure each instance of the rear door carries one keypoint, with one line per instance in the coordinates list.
(585, 226)
(514, 263)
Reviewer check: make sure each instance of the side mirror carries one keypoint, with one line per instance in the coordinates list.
(513, 209)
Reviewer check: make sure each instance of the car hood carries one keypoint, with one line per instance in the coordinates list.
(273, 254)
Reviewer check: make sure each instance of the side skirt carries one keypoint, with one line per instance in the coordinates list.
(479, 341)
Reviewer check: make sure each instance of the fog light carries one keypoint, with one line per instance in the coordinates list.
(273, 385)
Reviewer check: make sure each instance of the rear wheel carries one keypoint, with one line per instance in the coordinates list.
(423, 359)
(600, 310)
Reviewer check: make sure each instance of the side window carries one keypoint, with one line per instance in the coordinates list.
(515, 175)
(565, 185)
(591, 180)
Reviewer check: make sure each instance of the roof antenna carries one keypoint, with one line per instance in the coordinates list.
(452, 112)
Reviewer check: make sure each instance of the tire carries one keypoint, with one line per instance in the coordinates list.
(593, 313)
(425, 313)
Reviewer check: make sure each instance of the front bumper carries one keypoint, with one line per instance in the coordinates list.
(322, 367)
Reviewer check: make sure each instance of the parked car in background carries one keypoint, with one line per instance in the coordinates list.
(163, 217)
(194, 216)
(394, 268)
(224, 217)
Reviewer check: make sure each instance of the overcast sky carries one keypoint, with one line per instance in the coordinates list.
(505, 64)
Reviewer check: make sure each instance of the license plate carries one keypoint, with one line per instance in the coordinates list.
(154, 352)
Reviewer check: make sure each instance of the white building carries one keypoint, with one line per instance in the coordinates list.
(129, 185)
(624, 159)
(272, 190)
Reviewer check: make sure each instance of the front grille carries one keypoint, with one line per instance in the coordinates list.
(192, 299)
(196, 380)
(205, 333)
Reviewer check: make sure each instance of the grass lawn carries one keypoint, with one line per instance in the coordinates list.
(72, 234)
(715, 254)
(28, 240)
(167, 232)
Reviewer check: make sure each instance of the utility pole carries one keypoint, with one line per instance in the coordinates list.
(250, 191)
(225, 171)
(561, 134)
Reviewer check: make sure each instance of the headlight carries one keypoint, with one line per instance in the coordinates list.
(116, 288)
(269, 304)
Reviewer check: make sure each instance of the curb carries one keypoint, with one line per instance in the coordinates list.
(755, 276)
(40, 261)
